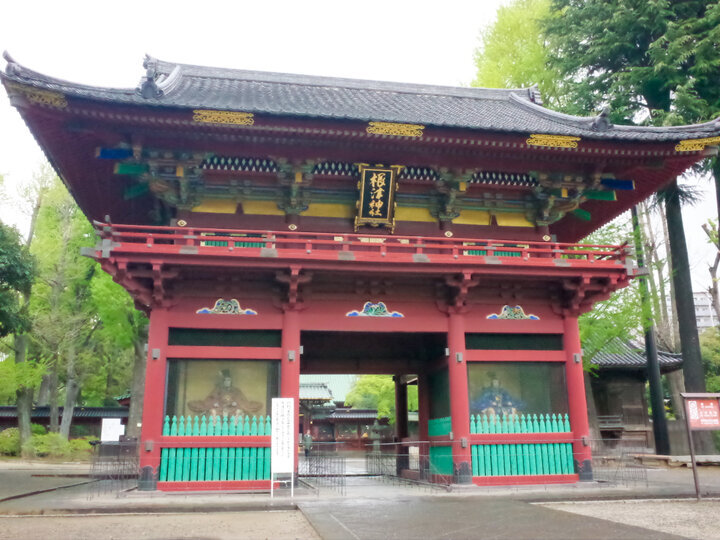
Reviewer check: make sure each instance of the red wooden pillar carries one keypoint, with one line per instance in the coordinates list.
(459, 402)
(290, 363)
(577, 402)
(154, 403)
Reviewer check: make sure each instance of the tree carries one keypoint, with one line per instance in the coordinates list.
(512, 52)
(378, 392)
(124, 328)
(608, 54)
(17, 272)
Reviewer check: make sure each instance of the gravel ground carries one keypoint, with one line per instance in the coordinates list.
(690, 519)
(281, 525)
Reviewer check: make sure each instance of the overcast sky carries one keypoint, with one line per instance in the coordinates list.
(103, 43)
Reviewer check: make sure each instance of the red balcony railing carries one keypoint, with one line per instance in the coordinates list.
(315, 246)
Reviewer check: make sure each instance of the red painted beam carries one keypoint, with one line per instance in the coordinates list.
(477, 355)
(224, 353)
(525, 480)
(230, 441)
(218, 485)
(520, 438)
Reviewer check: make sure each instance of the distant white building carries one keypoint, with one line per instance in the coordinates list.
(704, 311)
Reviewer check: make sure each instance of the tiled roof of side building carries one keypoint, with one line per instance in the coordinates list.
(620, 354)
(174, 85)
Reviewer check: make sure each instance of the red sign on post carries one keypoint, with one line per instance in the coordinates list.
(703, 414)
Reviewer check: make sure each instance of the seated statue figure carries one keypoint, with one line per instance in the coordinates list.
(495, 400)
(225, 400)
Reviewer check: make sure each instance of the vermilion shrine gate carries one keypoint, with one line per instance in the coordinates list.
(273, 224)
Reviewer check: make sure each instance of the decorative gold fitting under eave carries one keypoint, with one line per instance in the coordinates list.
(223, 117)
(39, 97)
(553, 141)
(391, 128)
(696, 145)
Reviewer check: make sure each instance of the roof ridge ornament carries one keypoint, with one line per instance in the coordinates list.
(535, 95)
(602, 120)
(148, 88)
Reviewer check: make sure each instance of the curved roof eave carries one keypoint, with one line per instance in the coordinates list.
(184, 86)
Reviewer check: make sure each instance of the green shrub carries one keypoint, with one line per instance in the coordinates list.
(52, 445)
(81, 448)
(10, 442)
(37, 429)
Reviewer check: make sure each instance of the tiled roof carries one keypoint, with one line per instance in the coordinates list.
(315, 391)
(354, 414)
(498, 110)
(621, 354)
(79, 412)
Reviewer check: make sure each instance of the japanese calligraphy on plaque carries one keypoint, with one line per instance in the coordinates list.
(376, 206)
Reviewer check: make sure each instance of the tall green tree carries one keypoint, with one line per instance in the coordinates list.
(17, 272)
(378, 392)
(608, 54)
(512, 51)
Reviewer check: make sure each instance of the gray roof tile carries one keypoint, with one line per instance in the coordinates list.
(498, 110)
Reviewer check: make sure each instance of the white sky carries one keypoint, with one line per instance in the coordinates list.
(103, 43)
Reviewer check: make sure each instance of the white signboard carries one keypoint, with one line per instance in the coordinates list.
(282, 440)
(111, 430)
(283, 436)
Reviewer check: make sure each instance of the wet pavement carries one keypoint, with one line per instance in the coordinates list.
(368, 508)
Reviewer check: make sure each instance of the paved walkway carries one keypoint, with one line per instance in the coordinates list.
(370, 508)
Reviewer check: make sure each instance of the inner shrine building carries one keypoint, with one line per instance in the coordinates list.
(272, 225)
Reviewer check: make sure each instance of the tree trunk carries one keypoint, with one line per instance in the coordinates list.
(137, 392)
(72, 389)
(43, 397)
(24, 395)
(673, 290)
(54, 408)
(689, 341)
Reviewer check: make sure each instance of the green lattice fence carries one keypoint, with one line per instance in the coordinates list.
(199, 463)
(516, 459)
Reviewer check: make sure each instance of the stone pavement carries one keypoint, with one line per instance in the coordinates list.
(373, 509)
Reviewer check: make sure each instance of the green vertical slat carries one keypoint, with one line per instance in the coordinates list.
(508, 458)
(513, 459)
(173, 426)
(473, 424)
(532, 462)
(566, 423)
(539, 458)
(551, 458)
(163, 464)
(194, 464)
(474, 451)
(224, 450)
(195, 431)
(493, 460)
(179, 464)
(166, 426)
(541, 425)
(488, 463)
(501, 460)
(171, 465)
(569, 458)
(181, 426)
(482, 459)
(268, 431)
(253, 451)
(559, 458)
(545, 460)
(520, 459)
(523, 424)
(554, 424)
(485, 427)
(535, 424)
